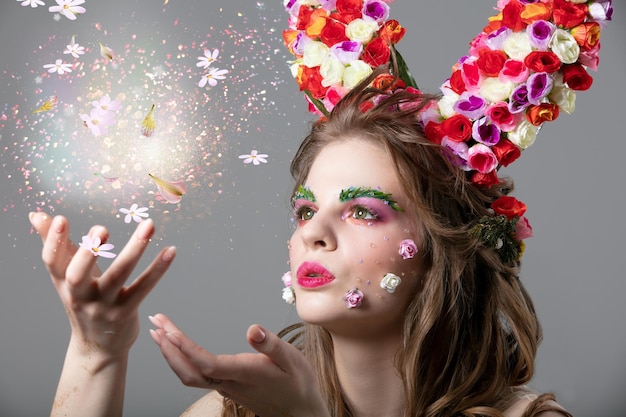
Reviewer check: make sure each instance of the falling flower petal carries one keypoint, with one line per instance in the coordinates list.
(105, 51)
(172, 191)
(47, 105)
(148, 125)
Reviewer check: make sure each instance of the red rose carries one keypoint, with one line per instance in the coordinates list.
(545, 112)
(486, 180)
(456, 82)
(310, 80)
(506, 152)
(349, 9)
(509, 206)
(512, 16)
(501, 116)
(576, 77)
(491, 62)
(433, 132)
(543, 61)
(376, 53)
(333, 33)
(567, 14)
(304, 16)
(392, 31)
(458, 128)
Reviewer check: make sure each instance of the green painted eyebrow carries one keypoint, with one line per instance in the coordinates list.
(356, 192)
(303, 193)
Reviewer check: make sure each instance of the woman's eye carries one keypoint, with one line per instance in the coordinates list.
(305, 213)
(361, 213)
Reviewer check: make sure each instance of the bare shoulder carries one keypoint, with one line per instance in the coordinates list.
(524, 403)
(208, 406)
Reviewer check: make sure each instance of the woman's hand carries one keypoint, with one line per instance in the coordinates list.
(102, 310)
(277, 381)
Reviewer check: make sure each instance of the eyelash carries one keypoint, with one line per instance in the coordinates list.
(301, 211)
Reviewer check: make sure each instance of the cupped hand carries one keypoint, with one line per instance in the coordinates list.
(276, 381)
(102, 310)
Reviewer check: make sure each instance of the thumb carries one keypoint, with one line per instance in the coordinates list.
(283, 354)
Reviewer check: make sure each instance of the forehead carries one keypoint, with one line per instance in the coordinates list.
(353, 163)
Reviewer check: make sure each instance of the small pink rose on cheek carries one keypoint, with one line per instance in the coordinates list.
(286, 278)
(353, 298)
(408, 249)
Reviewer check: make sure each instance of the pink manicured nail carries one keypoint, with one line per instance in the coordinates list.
(259, 337)
(155, 337)
(169, 254)
(144, 229)
(155, 322)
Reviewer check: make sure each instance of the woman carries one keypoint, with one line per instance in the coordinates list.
(408, 311)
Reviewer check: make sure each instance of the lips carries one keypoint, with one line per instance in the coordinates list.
(313, 275)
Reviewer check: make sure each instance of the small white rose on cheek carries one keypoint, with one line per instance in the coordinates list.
(390, 282)
(408, 249)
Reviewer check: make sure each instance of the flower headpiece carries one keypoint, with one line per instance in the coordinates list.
(521, 71)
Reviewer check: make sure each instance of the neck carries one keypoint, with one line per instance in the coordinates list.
(367, 375)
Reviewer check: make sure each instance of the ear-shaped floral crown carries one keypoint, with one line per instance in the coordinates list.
(521, 71)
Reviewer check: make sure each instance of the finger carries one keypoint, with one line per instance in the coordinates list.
(186, 370)
(119, 271)
(41, 223)
(142, 286)
(283, 354)
(57, 249)
(79, 274)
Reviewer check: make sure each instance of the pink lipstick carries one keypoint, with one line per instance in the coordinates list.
(313, 275)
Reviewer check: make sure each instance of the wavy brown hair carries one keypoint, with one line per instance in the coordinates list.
(471, 334)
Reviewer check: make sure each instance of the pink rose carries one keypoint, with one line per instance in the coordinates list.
(408, 249)
(523, 230)
(286, 278)
(353, 298)
(481, 158)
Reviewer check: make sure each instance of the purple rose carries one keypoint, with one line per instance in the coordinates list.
(518, 102)
(540, 34)
(376, 10)
(408, 249)
(484, 131)
(347, 51)
(539, 86)
(353, 298)
(470, 105)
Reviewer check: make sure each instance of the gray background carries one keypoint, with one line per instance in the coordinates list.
(232, 245)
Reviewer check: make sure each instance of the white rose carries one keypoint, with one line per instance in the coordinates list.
(288, 295)
(356, 72)
(524, 135)
(565, 46)
(446, 104)
(314, 53)
(294, 69)
(495, 91)
(517, 46)
(361, 30)
(390, 282)
(565, 98)
(332, 70)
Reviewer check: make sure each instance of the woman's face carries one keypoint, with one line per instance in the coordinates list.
(352, 216)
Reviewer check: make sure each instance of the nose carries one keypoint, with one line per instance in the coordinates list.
(319, 232)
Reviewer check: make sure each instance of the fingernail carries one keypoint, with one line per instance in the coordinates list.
(169, 254)
(155, 337)
(259, 337)
(155, 322)
(31, 215)
(144, 230)
(59, 225)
